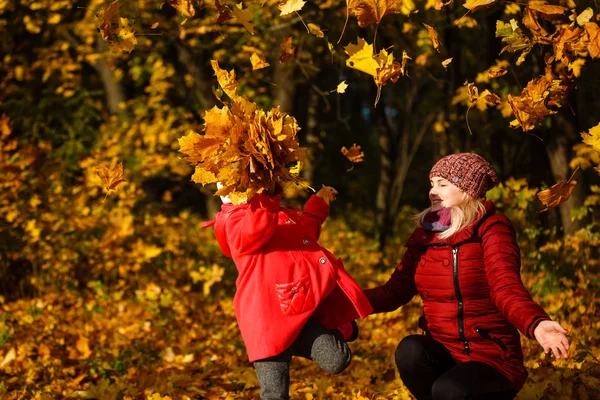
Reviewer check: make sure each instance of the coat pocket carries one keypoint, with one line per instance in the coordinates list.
(295, 297)
(484, 333)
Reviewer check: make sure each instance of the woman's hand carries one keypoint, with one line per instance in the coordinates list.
(551, 336)
(327, 193)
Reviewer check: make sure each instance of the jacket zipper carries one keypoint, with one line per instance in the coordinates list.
(461, 317)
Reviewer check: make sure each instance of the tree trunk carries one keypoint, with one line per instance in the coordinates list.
(558, 149)
(115, 94)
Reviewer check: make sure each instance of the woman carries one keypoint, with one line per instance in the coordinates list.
(464, 261)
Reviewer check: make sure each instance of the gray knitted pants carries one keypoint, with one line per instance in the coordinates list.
(327, 348)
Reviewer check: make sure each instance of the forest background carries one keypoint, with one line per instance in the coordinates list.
(112, 290)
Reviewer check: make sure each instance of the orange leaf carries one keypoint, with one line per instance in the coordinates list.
(593, 32)
(354, 154)
(447, 62)
(258, 62)
(496, 73)
(226, 79)
(110, 179)
(5, 129)
(557, 194)
(183, 6)
(327, 193)
(369, 12)
(547, 10)
(434, 37)
(287, 49)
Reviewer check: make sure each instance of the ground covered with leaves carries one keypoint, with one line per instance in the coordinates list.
(164, 340)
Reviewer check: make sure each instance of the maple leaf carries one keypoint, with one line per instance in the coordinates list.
(474, 5)
(243, 17)
(354, 155)
(434, 37)
(557, 194)
(327, 193)
(547, 10)
(539, 94)
(382, 66)
(258, 62)
(514, 38)
(183, 6)
(592, 137)
(110, 178)
(369, 12)
(124, 40)
(291, 6)
(109, 20)
(224, 13)
(593, 33)
(226, 79)
(287, 49)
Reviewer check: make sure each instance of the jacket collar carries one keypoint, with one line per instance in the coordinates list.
(421, 237)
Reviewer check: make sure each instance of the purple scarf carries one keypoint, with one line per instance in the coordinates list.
(437, 221)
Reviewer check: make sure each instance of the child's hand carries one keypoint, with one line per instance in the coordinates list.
(327, 193)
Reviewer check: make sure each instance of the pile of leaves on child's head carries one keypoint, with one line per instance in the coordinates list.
(243, 147)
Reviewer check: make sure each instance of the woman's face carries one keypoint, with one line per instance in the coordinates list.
(444, 194)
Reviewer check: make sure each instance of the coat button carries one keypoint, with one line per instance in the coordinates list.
(445, 262)
(322, 260)
(305, 241)
(288, 221)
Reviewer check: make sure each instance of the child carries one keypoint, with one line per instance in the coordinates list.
(291, 292)
(463, 260)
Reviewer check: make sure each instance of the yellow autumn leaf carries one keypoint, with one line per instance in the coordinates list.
(354, 154)
(446, 62)
(110, 178)
(474, 5)
(585, 16)
(258, 62)
(434, 37)
(243, 17)
(369, 12)
(592, 137)
(226, 79)
(291, 6)
(183, 6)
(361, 57)
(341, 87)
(316, 30)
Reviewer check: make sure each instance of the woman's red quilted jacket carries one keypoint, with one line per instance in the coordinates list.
(473, 297)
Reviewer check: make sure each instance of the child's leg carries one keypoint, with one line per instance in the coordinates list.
(273, 374)
(327, 348)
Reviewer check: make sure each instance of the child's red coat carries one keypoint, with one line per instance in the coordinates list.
(285, 276)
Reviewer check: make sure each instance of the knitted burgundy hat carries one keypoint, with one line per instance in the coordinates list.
(470, 172)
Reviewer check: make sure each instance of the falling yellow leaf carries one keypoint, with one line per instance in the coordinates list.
(361, 57)
(291, 6)
(592, 137)
(154, 25)
(434, 37)
(183, 6)
(10, 356)
(226, 79)
(243, 17)
(446, 62)
(576, 66)
(341, 87)
(496, 72)
(5, 129)
(327, 193)
(258, 62)
(474, 5)
(316, 30)
(593, 33)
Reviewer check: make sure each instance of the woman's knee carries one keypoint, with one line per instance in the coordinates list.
(410, 352)
(448, 389)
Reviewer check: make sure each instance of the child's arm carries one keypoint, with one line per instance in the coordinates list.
(250, 228)
(316, 210)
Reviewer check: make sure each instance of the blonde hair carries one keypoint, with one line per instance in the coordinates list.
(462, 215)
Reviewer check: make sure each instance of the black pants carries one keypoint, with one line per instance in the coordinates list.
(327, 348)
(430, 373)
